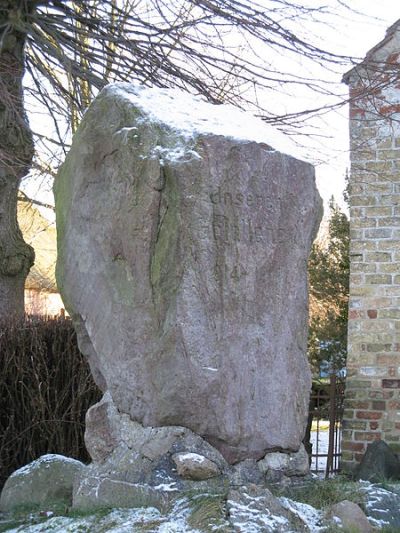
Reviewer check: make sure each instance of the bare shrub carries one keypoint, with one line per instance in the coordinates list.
(45, 390)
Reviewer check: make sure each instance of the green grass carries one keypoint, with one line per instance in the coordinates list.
(339, 529)
(324, 493)
(34, 514)
(207, 513)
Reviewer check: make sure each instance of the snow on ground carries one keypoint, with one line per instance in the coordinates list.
(382, 505)
(248, 515)
(323, 444)
(190, 116)
(247, 518)
(117, 521)
(308, 514)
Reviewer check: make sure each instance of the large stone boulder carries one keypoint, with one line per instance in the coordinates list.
(349, 516)
(194, 466)
(277, 465)
(382, 505)
(44, 482)
(253, 508)
(379, 463)
(182, 257)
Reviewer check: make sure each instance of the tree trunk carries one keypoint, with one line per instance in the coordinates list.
(16, 153)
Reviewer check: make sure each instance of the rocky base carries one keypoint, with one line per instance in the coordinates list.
(133, 464)
(169, 479)
(172, 479)
(241, 509)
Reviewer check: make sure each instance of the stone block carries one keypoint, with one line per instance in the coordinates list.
(44, 482)
(195, 466)
(178, 248)
(293, 464)
(350, 517)
(379, 463)
(378, 279)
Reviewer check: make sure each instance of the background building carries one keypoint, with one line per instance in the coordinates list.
(41, 294)
(372, 404)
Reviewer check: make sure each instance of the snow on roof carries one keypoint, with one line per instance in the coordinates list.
(370, 55)
(192, 116)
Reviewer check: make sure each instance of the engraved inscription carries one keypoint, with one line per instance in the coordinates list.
(229, 231)
(235, 272)
(227, 198)
(230, 228)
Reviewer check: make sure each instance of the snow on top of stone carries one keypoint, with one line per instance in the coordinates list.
(192, 116)
(379, 513)
(190, 456)
(46, 460)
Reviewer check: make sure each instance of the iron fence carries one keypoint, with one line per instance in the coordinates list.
(323, 437)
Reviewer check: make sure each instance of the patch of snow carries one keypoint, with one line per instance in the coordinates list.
(24, 470)
(166, 487)
(320, 443)
(375, 495)
(128, 520)
(44, 460)
(248, 520)
(247, 516)
(210, 368)
(124, 133)
(176, 522)
(118, 521)
(309, 515)
(378, 523)
(180, 153)
(192, 116)
(57, 525)
(192, 457)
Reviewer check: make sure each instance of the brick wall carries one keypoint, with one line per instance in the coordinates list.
(372, 402)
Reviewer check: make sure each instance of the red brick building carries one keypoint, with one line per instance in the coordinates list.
(372, 405)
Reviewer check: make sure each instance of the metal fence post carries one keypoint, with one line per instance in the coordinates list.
(332, 425)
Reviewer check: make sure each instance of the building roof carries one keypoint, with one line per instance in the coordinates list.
(373, 54)
(41, 234)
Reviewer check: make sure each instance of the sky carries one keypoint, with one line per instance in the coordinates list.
(350, 33)
(357, 35)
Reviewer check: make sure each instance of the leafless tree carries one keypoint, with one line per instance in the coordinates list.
(221, 49)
